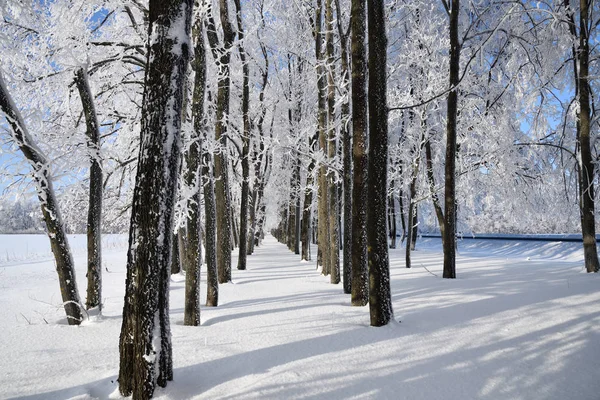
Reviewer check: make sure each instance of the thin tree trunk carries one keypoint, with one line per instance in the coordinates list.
(94, 220)
(434, 197)
(175, 260)
(145, 342)
(323, 203)
(380, 298)
(210, 214)
(243, 242)
(392, 219)
(360, 288)
(347, 157)
(308, 199)
(450, 185)
(332, 198)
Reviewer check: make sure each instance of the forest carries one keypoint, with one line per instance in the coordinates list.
(199, 131)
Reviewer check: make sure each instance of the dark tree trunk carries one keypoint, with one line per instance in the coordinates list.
(243, 242)
(347, 157)
(193, 179)
(415, 227)
(145, 342)
(323, 202)
(586, 172)
(450, 192)
(402, 218)
(332, 197)
(412, 209)
(360, 288)
(94, 220)
(222, 56)
(308, 200)
(210, 214)
(175, 260)
(392, 219)
(380, 298)
(432, 190)
(59, 244)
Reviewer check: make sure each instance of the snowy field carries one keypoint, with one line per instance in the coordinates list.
(522, 321)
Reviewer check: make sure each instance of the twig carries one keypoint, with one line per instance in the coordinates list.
(429, 270)
(26, 319)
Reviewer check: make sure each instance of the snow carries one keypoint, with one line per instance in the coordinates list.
(507, 328)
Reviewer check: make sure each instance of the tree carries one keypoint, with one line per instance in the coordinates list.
(360, 289)
(193, 178)
(145, 341)
(65, 267)
(450, 185)
(333, 213)
(380, 298)
(586, 172)
(245, 142)
(222, 56)
(94, 222)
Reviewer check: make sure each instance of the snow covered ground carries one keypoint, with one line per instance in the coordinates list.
(522, 321)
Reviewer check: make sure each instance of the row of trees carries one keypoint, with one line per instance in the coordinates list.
(340, 112)
(496, 116)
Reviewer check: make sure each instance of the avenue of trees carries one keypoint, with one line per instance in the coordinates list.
(199, 126)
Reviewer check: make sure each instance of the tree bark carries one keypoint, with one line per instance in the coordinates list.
(346, 135)
(222, 56)
(308, 200)
(392, 219)
(586, 172)
(193, 180)
(210, 213)
(432, 190)
(175, 259)
(332, 196)
(380, 299)
(450, 185)
(323, 203)
(94, 220)
(243, 242)
(360, 288)
(59, 244)
(145, 341)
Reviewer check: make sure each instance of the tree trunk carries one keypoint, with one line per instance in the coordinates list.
(308, 199)
(175, 260)
(360, 288)
(210, 214)
(434, 197)
(450, 186)
(323, 203)
(392, 219)
(243, 242)
(380, 299)
(94, 220)
(59, 244)
(585, 159)
(332, 197)
(193, 179)
(222, 56)
(145, 342)
(347, 156)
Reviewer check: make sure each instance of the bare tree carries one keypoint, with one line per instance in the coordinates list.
(94, 220)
